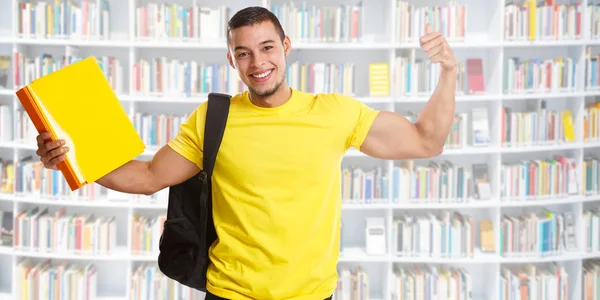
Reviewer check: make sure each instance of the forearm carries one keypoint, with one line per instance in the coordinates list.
(134, 177)
(435, 120)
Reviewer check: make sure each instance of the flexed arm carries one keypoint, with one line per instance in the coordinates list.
(392, 136)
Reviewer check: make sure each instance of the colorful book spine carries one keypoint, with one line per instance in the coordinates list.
(157, 130)
(310, 23)
(176, 78)
(539, 75)
(64, 19)
(431, 282)
(436, 235)
(322, 77)
(537, 179)
(40, 229)
(534, 234)
(591, 174)
(419, 77)
(364, 186)
(145, 234)
(534, 282)
(161, 21)
(543, 20)
(432, 182)
(537, 127)
(148, 282)
(55, 280)
(353, 283)
(449, 19)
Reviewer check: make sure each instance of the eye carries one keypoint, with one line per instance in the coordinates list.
(268, 47)
(242, 54)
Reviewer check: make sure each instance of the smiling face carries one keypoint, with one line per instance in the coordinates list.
(259, 55)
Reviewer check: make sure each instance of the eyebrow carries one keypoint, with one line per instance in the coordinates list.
(261, 43)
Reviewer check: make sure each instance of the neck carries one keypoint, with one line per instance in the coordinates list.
(280, 97)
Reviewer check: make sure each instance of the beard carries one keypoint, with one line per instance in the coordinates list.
(269, 92)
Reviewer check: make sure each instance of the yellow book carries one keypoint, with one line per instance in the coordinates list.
(77, 104)
(379, 79)
(568, 126)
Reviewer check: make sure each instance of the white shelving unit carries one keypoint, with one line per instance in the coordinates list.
(484, 39)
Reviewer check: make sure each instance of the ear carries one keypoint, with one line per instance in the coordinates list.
(287, 45)
(229, 58)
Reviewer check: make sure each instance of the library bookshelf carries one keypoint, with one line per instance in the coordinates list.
(542, 171)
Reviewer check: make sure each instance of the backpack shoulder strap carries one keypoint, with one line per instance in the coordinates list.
(216, 118)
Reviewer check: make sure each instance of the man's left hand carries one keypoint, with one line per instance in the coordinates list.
(437, 49)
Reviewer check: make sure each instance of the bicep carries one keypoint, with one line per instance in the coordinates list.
(393, 136)
(169, 168)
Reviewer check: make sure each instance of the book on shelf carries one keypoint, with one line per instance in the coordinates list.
(379, 83)
(414, 76)
(591, 121)
(538, 179)
(431, 282)
(590, 174)
(148, 282)
(41, 229)
(542, 20)
(352, 283)
(486, 236)
(433, 182)
(48, 279)
(446, 234)
(481, 181)
(145, 234)
(539, 75)
(76, 103)
(63, 19)
(5, 62)
(321, 77)
(537, 234)
(6, 228)
(537, 126)
(325, 23)
(449, 18)
(162, 21)
(364, 186)
(532, 281)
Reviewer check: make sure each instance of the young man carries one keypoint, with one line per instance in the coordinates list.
(277, 179)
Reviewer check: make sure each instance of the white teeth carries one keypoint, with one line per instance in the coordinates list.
(263, 74)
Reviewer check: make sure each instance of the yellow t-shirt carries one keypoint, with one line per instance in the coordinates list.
(277, 193)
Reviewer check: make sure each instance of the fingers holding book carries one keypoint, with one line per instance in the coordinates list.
(50, 152)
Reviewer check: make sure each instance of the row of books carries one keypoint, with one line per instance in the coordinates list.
(431, 282)
(449, 19)
(590, 285)
(543, 20)
(539, 75)
(325, 23)
(538, 234)
(27, 68)
(322, 77)
(591, 175)
(175, 77)
(535, 282)
(148, 282)
(364, 186)
(444, 234)
(54, 280)
(157, 130)
(352, 283)
(415, 76)
(145, 233)
(64, 19)
(593, 15)
(41, 229)
(545, 178)
(536, 126)
(161, 21)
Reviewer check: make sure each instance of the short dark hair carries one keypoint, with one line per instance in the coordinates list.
(254, 15)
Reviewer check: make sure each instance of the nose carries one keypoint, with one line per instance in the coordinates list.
(257, 60)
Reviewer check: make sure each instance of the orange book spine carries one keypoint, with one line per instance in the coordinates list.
(41, 125)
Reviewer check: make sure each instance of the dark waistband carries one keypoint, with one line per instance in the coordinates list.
(210, 296)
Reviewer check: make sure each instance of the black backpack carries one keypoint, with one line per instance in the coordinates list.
(189, 229)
